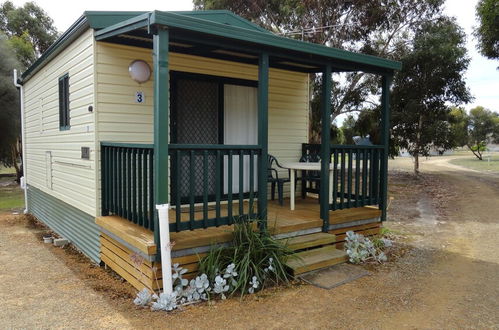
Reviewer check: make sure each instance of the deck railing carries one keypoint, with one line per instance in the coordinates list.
(127, 182)
(357, 177)
(212, 185)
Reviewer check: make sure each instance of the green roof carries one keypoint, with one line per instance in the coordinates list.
(218, 23)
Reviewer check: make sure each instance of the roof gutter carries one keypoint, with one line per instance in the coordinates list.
(74, 31)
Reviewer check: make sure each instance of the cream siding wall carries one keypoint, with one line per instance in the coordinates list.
(72, 178)
(120, 119)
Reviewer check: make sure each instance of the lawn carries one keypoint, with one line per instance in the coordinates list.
(11, 196)
(474, 163)
(7, 170)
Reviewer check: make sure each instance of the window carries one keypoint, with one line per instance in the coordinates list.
(64, 102)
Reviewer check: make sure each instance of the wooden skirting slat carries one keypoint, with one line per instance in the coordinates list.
(369, 229)
(140, 272)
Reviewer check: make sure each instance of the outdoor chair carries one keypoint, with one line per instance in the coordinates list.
(274, 179)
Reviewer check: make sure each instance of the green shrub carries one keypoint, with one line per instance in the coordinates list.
(259, 259)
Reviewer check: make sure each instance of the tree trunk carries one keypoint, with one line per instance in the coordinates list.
(15, 151)
(418, 145)
(477, 153)
(416, 163)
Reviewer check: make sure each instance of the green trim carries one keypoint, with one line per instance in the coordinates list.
(161, 99)
(352, 146)
(64, 110)
(385, 140)
(128, 25)
(103, 19)
(201, 147)
(127, 145)
(325, 146)
(66, 220)
(223, 17)
(263, 128)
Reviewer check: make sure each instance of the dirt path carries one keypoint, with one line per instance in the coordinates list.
(449, 278)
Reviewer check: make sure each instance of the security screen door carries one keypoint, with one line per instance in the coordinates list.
(211, 111)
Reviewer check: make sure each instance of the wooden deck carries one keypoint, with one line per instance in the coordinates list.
(281, 220)
(121, 240)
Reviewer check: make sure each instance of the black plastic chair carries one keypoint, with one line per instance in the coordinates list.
(273, 178)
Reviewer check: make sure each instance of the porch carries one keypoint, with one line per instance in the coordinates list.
(220, 174)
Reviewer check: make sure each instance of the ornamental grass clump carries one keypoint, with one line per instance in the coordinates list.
(253, 261)
(257, 260)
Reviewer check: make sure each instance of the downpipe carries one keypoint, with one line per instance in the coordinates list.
(165, 247)
(23, 182)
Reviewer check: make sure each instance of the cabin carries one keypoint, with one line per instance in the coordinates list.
(129, 110)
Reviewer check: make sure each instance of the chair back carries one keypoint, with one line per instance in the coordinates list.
(271, 160)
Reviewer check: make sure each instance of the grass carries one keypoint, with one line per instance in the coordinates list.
(11, 196)
(474, 163)
(7, 170)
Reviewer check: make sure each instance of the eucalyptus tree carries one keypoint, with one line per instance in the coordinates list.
(380, 27)
(487, 31)
(430, 79)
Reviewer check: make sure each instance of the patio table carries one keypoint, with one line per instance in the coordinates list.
(304, 166)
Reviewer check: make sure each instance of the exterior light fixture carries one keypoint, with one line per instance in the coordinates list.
(140, 71)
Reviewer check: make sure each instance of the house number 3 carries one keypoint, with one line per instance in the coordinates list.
(139, 97)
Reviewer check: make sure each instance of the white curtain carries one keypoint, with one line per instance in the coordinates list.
(240, 127)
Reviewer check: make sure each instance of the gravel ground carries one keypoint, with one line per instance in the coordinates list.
(444, 272)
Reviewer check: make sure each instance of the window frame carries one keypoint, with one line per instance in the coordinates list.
(64, 112)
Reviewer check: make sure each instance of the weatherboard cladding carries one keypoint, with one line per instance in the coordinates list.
(67, 221)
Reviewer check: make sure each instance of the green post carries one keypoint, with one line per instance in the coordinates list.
(263, 93)
(161, 88)
(385, 140)
(325, 146)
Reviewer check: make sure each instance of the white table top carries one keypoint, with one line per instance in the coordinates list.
(310, 166)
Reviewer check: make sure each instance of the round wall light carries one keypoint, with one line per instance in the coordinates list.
(140, 71)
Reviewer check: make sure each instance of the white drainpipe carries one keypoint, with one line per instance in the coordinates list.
(23, 142)
(165, 248)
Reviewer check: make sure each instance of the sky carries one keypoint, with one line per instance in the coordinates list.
(482, 77)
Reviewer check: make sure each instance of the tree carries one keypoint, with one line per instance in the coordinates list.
(29, 29)
(487, 31)
(483, 127)
(459, 122)
(337, 136)
(25, 33)
(431, 77)
(381, 27)
(349, 129)
(9, 108)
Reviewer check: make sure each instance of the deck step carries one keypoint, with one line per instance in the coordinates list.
(316, 259)
(309, 241)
